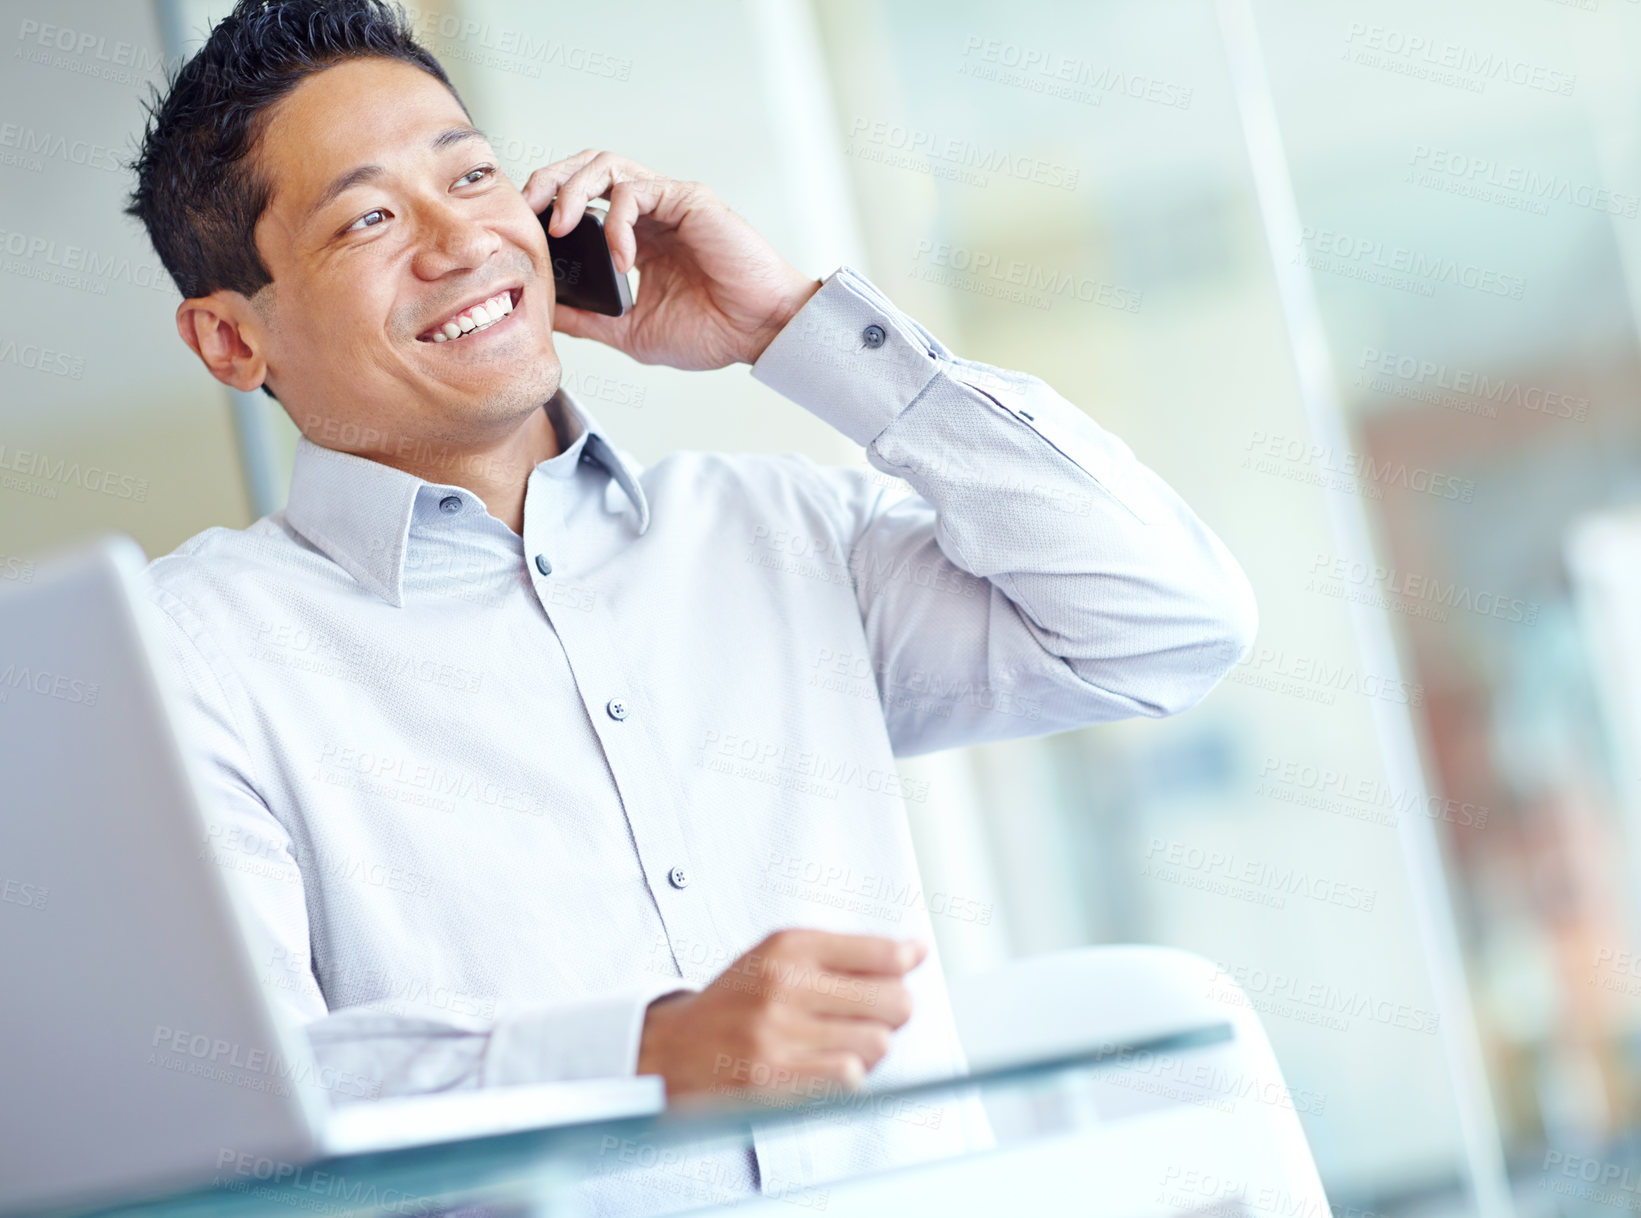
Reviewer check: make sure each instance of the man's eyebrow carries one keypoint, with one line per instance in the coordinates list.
(361, 174)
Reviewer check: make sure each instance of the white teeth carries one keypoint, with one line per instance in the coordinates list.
(480, 316)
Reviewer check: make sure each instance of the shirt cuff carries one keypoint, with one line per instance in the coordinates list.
(850, 357)
(590, 1038)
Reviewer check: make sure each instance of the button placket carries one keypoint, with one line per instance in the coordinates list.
(651, 795)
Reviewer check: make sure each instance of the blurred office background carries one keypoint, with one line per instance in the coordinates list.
(1409, 823)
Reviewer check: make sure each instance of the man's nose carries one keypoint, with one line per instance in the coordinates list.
(451, 239)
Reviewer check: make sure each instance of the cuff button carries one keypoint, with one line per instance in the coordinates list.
(873, 336)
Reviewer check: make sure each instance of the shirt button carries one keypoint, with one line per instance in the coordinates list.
(678, 877)
(542, 565)
(873, 336)
(450, 503)
(617, 708)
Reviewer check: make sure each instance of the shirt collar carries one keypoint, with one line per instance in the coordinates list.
(358, 512)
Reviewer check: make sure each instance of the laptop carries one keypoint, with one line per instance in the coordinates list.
(139, 1046)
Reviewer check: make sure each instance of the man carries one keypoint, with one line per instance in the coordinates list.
(515, 747)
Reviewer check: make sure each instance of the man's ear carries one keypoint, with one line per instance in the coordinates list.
(224, 331)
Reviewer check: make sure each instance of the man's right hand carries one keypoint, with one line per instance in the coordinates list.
(804, 1009)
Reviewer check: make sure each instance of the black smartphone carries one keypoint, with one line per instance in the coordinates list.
(584, 276)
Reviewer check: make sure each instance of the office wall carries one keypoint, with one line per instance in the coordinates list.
(107, 421)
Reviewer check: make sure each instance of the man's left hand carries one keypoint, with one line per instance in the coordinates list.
(713, 292)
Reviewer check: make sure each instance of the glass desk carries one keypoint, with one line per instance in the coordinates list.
(534, 1172)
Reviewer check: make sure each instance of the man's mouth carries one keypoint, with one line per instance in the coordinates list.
(471, 318)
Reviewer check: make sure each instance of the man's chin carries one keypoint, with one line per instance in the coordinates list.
(499, 392)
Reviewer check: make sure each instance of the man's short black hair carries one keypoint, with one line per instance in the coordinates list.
(199, 189)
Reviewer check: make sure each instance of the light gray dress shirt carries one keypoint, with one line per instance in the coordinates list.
(487, 796)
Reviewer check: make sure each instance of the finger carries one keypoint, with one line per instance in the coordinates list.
(543, 184)
(866, 1039)
(592, 181)
(838, 1066)
(853, 996)
(874, 955)
(618, 231)
(661, 199)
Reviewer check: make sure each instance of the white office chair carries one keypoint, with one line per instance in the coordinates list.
(1223, 1121)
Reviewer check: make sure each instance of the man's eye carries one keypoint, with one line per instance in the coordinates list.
(484, 169)
(360, 222)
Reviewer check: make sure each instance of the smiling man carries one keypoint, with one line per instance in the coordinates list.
(533, 764)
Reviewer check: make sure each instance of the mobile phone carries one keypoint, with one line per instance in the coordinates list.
(584, 275)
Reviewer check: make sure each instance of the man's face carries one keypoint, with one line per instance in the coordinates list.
(362, 275)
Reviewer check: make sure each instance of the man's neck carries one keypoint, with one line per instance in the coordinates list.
(497, 473)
